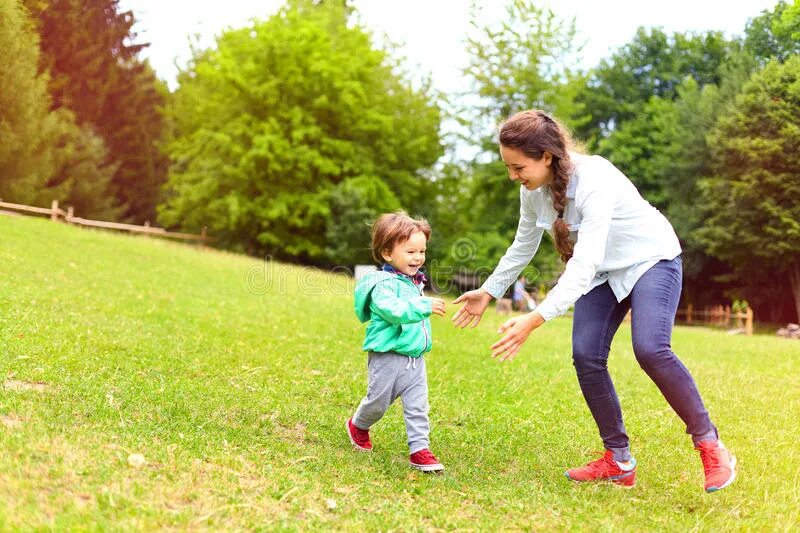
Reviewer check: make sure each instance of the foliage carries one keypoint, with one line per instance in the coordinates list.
(355, 204)
(525, 61)
(740, 306)
(270, 122)
(83, 171)
(44, 154)
(26, 125)
(88, 50)
(775, 34)
(653, 64)
(753, 196)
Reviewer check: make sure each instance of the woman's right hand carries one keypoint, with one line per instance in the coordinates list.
(475, 303)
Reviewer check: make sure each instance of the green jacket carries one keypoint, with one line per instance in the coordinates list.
(397, 313)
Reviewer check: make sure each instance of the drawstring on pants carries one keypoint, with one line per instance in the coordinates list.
(412, 363)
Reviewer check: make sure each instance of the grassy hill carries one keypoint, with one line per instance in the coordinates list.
(149, 384)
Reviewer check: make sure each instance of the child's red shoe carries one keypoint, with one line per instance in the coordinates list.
(424, 460)
(359, 437)
(605, 469)
(719, 465)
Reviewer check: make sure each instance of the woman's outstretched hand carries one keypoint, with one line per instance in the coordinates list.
(516, 332)
(475, 303)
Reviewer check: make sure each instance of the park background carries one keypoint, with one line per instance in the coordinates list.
(150, 384)
(287, 135)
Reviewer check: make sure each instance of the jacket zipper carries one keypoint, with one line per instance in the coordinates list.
(427, 339)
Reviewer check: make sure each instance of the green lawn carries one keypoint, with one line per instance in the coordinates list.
(233, 378)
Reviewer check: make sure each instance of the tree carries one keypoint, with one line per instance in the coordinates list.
(134, 128)
(26, 125)
(663, 148)
(44, 155)
(642, 145)
(527, 61)
(775, 34)
(269, 122)
(89, 52)
(652, 64)
(82, 171)
(753, 195)
(355, 204)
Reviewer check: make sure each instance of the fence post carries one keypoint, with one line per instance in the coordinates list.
(748, 325)
(203, 235)
(689, 315)
(70, 213)
(54, 211)
(727, 316)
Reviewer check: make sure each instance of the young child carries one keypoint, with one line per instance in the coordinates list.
(398, 335)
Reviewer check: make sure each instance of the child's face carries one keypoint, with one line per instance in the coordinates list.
(408, 256)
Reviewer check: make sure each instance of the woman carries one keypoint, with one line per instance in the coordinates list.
(621, 254)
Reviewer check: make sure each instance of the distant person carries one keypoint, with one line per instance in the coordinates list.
(621, 254)
(398, 335)
(522, 300)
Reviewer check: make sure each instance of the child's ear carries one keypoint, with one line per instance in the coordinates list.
(387, 256)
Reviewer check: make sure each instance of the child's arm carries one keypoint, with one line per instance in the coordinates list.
(394, 310)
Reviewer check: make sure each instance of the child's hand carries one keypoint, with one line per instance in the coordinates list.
(438, 306)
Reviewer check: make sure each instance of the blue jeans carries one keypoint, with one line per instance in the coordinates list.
(653, 303)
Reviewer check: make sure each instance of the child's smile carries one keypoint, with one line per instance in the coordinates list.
(408, 256)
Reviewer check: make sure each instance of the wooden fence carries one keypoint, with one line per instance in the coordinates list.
(719, 315)
(56, 214)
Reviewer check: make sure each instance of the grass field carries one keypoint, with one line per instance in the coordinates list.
(232, 377)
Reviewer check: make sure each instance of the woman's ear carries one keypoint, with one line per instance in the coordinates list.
(548, 158)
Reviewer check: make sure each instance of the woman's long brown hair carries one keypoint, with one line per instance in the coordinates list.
(535, 132)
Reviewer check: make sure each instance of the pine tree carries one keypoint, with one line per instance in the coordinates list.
(26, 125)
(96, 74)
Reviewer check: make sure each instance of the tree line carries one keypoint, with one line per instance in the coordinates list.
(288, 135)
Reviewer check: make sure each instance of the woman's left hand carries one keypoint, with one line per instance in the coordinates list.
(516, 332)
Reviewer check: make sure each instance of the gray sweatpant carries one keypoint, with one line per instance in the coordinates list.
(391, 375)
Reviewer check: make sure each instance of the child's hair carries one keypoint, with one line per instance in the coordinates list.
(535, 132)
(393, 228)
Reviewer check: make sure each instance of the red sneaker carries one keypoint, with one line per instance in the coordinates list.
(604, 469)
(359, 437)
(424, 460)
(719, 465)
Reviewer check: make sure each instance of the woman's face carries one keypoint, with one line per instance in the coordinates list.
(529, 172)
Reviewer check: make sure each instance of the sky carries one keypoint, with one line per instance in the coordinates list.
(432, 32)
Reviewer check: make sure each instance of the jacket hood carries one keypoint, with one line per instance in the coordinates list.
(364, 288)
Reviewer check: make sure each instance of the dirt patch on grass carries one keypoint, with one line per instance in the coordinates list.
(296, 433)
(18, 385)
(11, 421)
